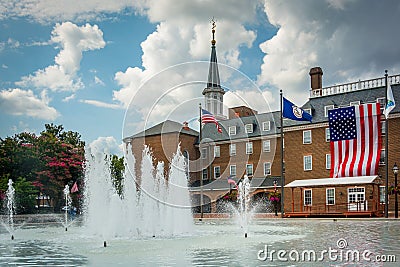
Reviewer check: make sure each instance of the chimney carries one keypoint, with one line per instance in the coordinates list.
(316, 78)
(186, 126)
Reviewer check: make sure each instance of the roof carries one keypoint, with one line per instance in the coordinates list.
(165, 127)
(222, 184)
(333, 181)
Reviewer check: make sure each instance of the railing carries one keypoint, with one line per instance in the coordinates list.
(354, 86)
(360, 206)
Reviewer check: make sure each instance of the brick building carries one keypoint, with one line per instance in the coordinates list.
(250, 145)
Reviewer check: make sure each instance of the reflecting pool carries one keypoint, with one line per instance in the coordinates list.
(273, 242)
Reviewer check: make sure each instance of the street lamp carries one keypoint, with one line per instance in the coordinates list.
(396, 204)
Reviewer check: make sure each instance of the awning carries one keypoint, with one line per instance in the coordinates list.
(333, 181)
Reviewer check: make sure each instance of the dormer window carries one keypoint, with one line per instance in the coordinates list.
(266, 126)
(355, 103)
(327, 108)
(232, 130)
(249, 128)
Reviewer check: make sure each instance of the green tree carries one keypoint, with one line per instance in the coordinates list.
(25, 196)
(117, 173)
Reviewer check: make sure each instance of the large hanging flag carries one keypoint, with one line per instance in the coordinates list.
(355, 140)
(207, 117)
(291, 111)
(390, 104)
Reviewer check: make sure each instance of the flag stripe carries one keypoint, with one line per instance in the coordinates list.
(207, 117)
(356, 155)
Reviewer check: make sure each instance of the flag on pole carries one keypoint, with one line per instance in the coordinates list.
(291, 111)
(207, 117)
(390, 104)
(74, 188)
(355, 140)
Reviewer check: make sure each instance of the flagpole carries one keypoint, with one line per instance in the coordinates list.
(386, 152)
(201, 168)
(282, 177)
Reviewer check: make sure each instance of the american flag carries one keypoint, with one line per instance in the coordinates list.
(355, 140)
(207, 117)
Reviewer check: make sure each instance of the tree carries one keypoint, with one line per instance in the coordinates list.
(117, 173)
(25, 196)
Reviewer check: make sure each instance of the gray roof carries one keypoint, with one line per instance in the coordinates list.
(165, 127)
(316, 104)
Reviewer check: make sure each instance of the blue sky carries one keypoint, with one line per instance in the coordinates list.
(79, 63)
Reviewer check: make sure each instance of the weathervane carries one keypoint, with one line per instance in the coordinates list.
(213, 30)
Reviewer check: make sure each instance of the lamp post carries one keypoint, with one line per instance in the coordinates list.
(396, 204)
(275, 202)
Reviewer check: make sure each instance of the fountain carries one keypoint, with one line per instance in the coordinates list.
(149, 206)
(10, 193)
(244, 204)
(67, 205)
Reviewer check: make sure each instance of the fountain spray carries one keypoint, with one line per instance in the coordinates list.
(11, 206)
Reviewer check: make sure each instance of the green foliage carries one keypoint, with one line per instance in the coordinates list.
(25, 196)
(117, 173)
(48, 161)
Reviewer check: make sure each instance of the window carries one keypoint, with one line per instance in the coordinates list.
(327, 135)
(383, 128)
(217, 151)
(381, 100)
(330, 196)
(249, 169)
(327, 108)
(205, 175)
(307, 197)
(232, 170)
(232, 149)
(249, 128)
(249, 148)
(267, 168)
(267, 145)
(307, 160)
(355, 103)
(232, 130)
(307, 137)
(204, 153)
(217, 172)
(266, 126)
(328, 161)
(382, 191)
(382, 159)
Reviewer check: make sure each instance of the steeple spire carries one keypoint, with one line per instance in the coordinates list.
(214, 93)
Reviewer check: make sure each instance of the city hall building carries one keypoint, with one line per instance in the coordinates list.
(250, 144)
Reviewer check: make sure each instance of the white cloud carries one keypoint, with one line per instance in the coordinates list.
(20, 102)
(98, 81)
(333, 34)
(73, 40)
(101, 104)
(69, 98)
(107, 145)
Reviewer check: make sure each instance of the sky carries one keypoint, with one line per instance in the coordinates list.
(109, 69)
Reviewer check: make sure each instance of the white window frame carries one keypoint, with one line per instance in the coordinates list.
(328, 161)
(232, 149)
(232, 130)
(382, 159)
(383, 128)
(355, 103)
(248, 128)
(215, 171)
(247, 169)
(327, 108)
(217, 151)
(266, 126)
(307, 142)
(382, 190)
(328, 197)
(267, 168)
(249, 148)
(204, 174)
(232, 170)
(304, 162)
(307, 203)
(204, 153)
(267, 148)
(327, 135)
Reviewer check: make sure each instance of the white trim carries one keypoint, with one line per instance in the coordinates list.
(266, 129)
(333, 181)
(248, 128)
(249, 148)
(304, 141)
(304, 197)
(304, 162)
(215, 168)
(334, 196)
